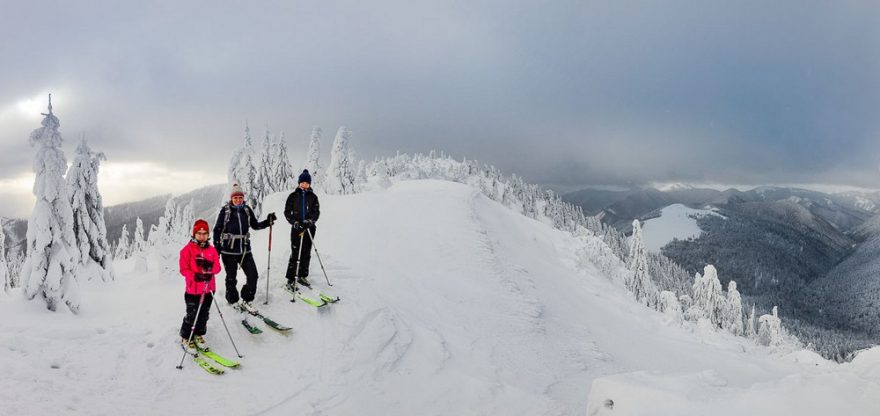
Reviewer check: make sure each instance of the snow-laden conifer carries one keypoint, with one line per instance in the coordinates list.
(89, 228)
(732, 319)
(313, 157)
(340, 172)
(50, 268)
(123, 247)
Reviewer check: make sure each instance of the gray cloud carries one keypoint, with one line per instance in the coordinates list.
(573, 92)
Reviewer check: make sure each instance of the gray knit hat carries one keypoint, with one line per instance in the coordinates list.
(236, 190)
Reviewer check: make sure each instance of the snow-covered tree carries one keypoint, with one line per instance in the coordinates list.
(640, 283)
(732, 320)
(138, 243)
(242, 166)
(669, 305)
(707, 295)
(360, 178)
(123, 247)
(751, 332)
(4, 265)
(340, 173)
(15, 261)
(89, 227)
(168, 240)
(50, 268)
(282, 172)
(263, 185)
(770, 329)
(313, 157)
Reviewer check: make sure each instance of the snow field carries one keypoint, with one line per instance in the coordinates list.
(451, 304)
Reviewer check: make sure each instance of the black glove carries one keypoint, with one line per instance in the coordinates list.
(204, 264)
(204, 277)
(271, 217)
(308, 224)
(298, 227)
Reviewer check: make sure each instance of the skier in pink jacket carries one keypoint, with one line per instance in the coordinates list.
(199, 262)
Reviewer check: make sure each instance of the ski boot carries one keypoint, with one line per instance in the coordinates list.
(303, 281)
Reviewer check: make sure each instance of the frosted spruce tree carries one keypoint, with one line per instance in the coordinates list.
(138, 242)
(707, 295)
(89, 228)
(263, 185)
(732, 320)
(50, 267)
(360, 178)
(770, 329)
(340, 173)
(4, 265)
(751, 332)
(123, 247)
(242, 166)
(165, 241)
(640, 283)
(282, 172)
(313, 157)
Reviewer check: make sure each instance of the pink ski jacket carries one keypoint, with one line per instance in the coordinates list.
(189, 267)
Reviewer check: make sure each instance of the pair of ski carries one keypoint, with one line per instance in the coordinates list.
(253, 329)
(319, 299)
(200, 354)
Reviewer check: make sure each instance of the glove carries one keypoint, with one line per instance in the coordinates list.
(203, 277)
(308, 224)
(204, 263)
(271, 217)
(298, 227)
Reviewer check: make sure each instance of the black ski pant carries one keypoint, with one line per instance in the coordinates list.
(192, 305)
(231, 262)
(294, 253)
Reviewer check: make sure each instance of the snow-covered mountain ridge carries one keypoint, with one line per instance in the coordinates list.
(452, 304)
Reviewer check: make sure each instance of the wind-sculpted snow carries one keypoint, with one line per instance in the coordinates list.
(451, 304)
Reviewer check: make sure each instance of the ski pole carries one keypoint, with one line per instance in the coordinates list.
(268, 266)
(192, 330)
(226, 327)
(311, 237)
(298, 259)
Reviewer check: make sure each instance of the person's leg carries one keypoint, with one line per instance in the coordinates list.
(294, 252)
(306, 254)
(192, 304)
(250, 271)
(202, 320)
(230, 265)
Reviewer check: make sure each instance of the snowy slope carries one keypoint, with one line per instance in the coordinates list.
(676, 221)
(452, 304)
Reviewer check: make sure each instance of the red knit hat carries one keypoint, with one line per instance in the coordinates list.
(200, 225)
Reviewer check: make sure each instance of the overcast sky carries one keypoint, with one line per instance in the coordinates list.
(560, 92)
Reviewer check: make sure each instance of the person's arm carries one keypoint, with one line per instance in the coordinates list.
(314, 209)
(252, 220)
(288, 209)
(185, 264)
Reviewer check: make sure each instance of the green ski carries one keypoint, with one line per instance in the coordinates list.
(252, 329)
(253, 311)
(217, 358)
(328, 299)
(208, 367)
(308, 300)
